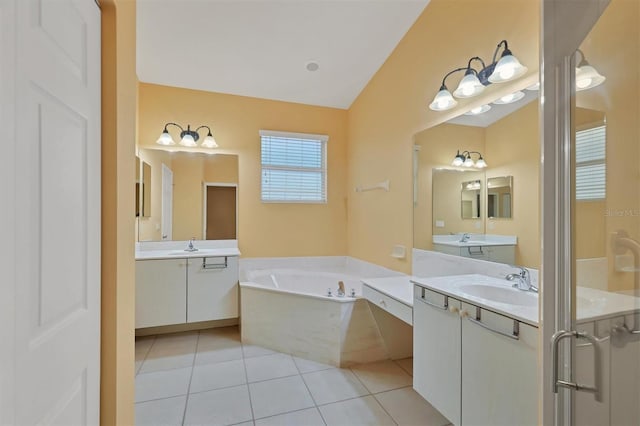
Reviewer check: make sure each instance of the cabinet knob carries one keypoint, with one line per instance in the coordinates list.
(454, 309)
(464, 314)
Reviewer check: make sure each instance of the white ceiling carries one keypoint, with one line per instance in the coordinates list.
(259, 48)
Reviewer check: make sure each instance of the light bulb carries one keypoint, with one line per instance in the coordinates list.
(478, 110)
(165, 139)
(587, 77)
(507, 68)
(209, 142)
(468, 162)
(443, 100)
(481, 164)
(188, 140)
(457, 161)
(469, 86)
(510, 98)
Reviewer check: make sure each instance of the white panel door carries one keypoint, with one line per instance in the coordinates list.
(56, 211)
(167, 203)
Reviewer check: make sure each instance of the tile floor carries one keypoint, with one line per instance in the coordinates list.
(211, 378)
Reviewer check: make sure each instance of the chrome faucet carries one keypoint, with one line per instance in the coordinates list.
(465, 237)
(522, 280)
(191, 247)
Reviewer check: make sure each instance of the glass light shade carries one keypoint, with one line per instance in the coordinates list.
(507, 69)
(443, 101)
(165, 139)
(478, 110)
(457, 161)
(469, 86)
(481, 164)
(187, 140)
(468, 162)
(209, 142)
(535, 86)
(587, 77)
(510, 98)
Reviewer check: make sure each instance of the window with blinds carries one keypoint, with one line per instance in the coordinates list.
(591, 163)
(294, 167)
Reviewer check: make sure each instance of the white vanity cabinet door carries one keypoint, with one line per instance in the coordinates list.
(499, 374)
(501, 254)
(212, 294)
(436, 351)
(160, 292)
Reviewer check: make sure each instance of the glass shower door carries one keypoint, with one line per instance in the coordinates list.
(596, 362)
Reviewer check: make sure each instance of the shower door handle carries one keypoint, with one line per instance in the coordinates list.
(556, 382)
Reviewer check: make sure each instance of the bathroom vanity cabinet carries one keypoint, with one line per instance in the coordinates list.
(474, 372)
(493, 253)
(186, 290)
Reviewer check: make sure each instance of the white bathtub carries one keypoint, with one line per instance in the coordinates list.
(284, 306)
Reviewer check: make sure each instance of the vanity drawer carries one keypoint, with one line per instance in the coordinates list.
(389, 304)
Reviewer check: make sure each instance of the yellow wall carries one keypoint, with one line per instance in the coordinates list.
(118, 218)
(512, 148)
(447, 202)
(612, 47)
(394, 106)
(264, 229)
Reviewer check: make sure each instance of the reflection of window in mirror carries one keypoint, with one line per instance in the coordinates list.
(499, 197)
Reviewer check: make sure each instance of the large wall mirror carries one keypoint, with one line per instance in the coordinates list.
(192, 195)
(501, 199)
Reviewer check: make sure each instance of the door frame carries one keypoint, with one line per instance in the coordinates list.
(204, 204)
(558, 42)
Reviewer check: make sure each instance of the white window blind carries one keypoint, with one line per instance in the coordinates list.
(294, 167)
(591, 163)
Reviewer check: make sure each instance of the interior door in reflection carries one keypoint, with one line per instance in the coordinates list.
(221, 212)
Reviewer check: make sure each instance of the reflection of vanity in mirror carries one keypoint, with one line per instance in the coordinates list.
(191, 195)
(474, 212)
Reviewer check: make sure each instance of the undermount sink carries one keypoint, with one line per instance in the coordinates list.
(505, 294)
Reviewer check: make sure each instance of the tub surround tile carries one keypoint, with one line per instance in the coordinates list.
(308, 417)
(382, 376)
(270, 367)
(217, 376)
(308, 366)
(333, 385)
(355, 412)
(279, 396)
(162, 384)
(168, 412)
(219, 407)
(406, 364)
(408, 408)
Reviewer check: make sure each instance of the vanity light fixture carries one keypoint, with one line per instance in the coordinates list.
(464, 159)
(507, 68)
(478, 110)
(510, 98)
(586, 75)
(188, 137)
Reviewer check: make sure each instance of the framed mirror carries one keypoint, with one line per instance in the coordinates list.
(470, 199)
(499, 197)
(196, 197)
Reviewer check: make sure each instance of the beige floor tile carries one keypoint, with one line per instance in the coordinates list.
(382, 376)
(253, 350)
(279, 396)
(219, 407)
(356, 412)
(333, 385)
(270, 367)
(217, 376)
(308, 366)
(161, 412)
(408, 408)
(162, 384)
(308, 417)
(406, 364)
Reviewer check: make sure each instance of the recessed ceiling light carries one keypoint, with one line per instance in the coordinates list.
(312, 66)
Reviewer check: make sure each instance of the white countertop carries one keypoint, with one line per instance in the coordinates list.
(475, 240)
(153, 250)
(398, 288)
(454, 286)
